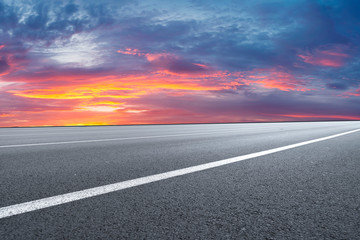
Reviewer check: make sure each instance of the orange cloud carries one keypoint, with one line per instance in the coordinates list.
(130, 51)
(4, 115)
(88, 100)
(106, 103)
(99, 108)
(85, 91)
(57, 118)
(78, 98)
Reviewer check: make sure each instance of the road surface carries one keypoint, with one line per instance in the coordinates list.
(201, 181)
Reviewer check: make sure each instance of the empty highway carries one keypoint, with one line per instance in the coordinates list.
(297, 180)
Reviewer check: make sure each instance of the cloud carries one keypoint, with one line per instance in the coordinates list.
(337, 86)
(174, 64)
(316, 117)
(47, 21)
(276, 79)
(355, 93)
(329, 56)
(8, 17)
(119, 62)
(167, 61)
(71, 8)
(4, 66)
(130, 51)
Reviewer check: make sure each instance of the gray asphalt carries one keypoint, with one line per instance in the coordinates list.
(309, 192)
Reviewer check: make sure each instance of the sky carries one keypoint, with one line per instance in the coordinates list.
(65, 63)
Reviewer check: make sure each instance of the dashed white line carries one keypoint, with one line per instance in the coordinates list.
(96, 191)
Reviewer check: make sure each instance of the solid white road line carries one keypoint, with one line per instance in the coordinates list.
(96, 191)
(102, 132)
(81, 132)
(110, 139)
(117, 132)
(118, 139)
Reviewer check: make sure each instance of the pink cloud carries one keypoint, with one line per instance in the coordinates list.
(331, 57)
(355, 93)
(168, 62)
(131, 51)
(275, 79)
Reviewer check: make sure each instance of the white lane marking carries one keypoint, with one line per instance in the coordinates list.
(119, 131)
(119, 139)
(114, 132)
(96, 191)
(236, 126)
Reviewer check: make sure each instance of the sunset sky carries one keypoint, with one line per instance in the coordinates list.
(138, 62)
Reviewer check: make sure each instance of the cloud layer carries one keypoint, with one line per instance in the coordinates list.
(132, 62)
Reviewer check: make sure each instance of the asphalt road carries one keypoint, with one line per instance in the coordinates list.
(307, 192)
